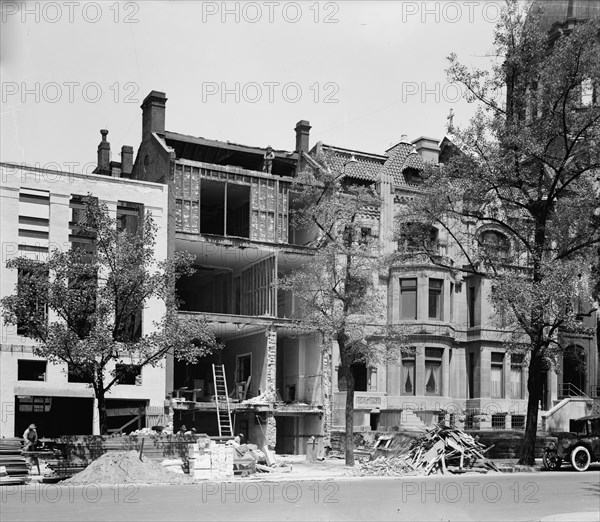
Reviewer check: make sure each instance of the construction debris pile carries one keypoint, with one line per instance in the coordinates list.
(127, 467)
(442, 449)
(13, 466)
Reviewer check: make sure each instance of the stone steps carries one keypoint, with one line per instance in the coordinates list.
(409, 419)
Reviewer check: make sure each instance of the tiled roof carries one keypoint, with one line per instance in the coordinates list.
(366, 167)
(395, 164)
(413, 161)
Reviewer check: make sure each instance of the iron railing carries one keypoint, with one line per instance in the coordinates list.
(568, 389)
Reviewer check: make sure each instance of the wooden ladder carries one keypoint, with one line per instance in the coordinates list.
(222, 401)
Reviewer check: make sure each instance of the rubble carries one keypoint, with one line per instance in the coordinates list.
(442, 449)
(126, 467)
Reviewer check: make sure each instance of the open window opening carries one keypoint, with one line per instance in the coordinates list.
(129, 374)
(238, 210)
(31, 370)
(206, 290)
(297, 235)
(212, 207)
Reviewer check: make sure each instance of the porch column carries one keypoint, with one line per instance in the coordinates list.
(271, 390)
(95, 418)
(271, 427)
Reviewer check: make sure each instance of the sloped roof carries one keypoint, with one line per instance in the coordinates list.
(366, 167)
(402, 157)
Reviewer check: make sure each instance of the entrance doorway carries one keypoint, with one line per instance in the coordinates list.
(574, 370)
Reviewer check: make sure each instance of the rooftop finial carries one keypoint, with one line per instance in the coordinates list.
(104, 132)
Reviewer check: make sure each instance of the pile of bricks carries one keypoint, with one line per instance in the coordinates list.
(221, 460)
(209, 460)
(199, 459)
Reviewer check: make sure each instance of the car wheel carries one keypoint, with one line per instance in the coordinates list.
(551, 460)
(580, 458)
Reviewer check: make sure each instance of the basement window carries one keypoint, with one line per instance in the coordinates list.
(517, 422)
(28, 370)
(499, 421)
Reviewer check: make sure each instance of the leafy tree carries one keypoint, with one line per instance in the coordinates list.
(337, 287)
(518, 195)
(96, 293)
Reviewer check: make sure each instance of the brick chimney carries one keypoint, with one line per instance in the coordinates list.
(302, 135)
(126, 161)
(103, 155)
(153, 113)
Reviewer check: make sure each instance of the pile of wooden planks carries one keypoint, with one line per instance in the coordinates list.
(442, 449)
(385, 467)
(13, 466)
(446, 449)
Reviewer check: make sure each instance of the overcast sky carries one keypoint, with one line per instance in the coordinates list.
(362, 72)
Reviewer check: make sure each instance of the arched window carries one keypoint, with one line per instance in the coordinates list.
(496, 245)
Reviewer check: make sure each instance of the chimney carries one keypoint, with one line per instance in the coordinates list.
(428, 149)
(103, 154)
(302, 135)
(153, 113)
(126, 161)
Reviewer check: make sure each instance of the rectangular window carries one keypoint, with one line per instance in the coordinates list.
(34, 221)
(29, 404)
(28, 370)
(499, 421)
(129, 217)
(408, 298)
(497, 376)
(516, 376)
(408, 375)
(517, 422)
(433, 371)
(435, 298)
(79, 237)
(471, 303)
(129, 374)
(29, 283)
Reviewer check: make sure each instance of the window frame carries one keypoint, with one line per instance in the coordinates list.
(438, 294)
(434, 357)
(408, 291)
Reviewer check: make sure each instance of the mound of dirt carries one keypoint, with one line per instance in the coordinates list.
(125, 467)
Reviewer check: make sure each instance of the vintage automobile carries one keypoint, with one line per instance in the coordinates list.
(580, 448)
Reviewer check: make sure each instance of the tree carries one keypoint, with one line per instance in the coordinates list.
(337, 288)
(95, 292)
(518, 194)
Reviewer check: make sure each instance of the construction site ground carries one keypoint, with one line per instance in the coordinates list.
(295, 468)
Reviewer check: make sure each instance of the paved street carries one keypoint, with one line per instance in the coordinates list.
(520, 496)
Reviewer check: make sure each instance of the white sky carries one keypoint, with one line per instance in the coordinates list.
(71, 68)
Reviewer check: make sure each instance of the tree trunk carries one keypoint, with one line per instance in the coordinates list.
(349, 377)
(534, 389)
(100, 393)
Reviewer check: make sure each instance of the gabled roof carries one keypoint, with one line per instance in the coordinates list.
(402, 157)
